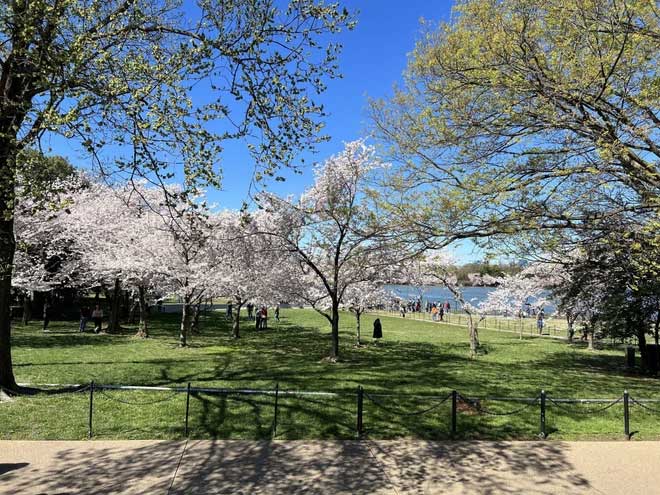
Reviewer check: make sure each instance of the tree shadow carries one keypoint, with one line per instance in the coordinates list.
(6, 467)
(347, 467)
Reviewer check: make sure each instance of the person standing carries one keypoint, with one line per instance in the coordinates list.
(264, 318)
(378, 330)
(229, 310)
(250, 311)
(97, 317)
(84, 316)
(257, 319)
(277, 313)
(539, 322)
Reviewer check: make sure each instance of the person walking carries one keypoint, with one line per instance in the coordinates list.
(250, 311)
(84, 316)
(277, 313)
(378, 330)
(97, 317)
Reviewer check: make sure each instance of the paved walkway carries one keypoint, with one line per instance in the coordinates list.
(367, 467)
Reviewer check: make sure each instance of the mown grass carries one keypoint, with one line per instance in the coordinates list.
(415, 357)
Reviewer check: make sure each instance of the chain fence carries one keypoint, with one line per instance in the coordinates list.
(116, 411)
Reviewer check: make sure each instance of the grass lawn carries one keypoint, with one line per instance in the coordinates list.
(415, 357)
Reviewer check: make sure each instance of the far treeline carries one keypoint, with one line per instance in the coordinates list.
(473, 274)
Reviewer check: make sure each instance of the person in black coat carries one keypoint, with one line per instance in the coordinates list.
(378, 330)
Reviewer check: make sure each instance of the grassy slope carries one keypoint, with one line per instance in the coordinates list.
(415, 357)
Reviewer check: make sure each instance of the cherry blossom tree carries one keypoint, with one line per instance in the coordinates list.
(251, 266)
(437, 267)
(361, 297)
(515, 292)
(333, 232)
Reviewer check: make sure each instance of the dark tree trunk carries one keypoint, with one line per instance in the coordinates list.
(7, 249)
(570, 329)
(357, 321)
(185, 322)
(143, 328)
(115, 309)
(27, 308)
(335, 330)
(235, 327)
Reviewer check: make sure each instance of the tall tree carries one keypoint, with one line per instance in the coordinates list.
(528, 115)
(118, 75)
(333, 232)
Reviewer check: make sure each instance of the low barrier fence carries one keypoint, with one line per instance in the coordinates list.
(453, 407)
(528, 325)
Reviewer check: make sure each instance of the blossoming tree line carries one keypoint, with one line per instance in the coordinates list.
(534, 135)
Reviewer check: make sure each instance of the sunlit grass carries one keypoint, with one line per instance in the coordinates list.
(414, 357)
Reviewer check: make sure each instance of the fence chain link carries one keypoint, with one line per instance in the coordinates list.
(643, 406)
(148, 403)
(416, 413)
(473, 404)
(587, 411)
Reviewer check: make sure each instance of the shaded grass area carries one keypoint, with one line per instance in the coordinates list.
(414, 358)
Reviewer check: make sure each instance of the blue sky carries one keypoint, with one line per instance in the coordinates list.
(373, 59)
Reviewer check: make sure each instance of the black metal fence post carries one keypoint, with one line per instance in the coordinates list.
(91, 408)
(543, 433)
(277, 395)
(454, 401)
(187, 408)
(360, 407)
(626, 414)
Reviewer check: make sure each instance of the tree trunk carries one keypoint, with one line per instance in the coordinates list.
(115, 308)
(520, 320)
(335, 330)
(235, 327)
(570, 330)
(143, 330)
(7, 249)
(185, 322)
(357, 320)
(194, 326)
(474, 337)
(27, 308)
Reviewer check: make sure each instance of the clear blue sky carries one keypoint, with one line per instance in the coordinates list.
(373, 59)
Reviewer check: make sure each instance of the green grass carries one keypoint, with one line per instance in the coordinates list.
(415, 357)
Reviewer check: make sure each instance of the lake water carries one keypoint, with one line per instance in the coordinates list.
(437, 293)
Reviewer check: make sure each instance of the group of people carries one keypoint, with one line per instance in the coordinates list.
(437, 309)
(260, 315)
(96, 315)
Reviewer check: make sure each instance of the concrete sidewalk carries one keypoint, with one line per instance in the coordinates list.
(281, 467)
